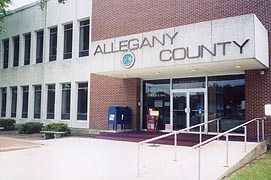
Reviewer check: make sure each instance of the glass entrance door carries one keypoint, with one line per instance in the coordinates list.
(196, 105)
(188, 108)
(179, 110)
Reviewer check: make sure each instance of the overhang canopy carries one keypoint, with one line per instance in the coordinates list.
(222, 46)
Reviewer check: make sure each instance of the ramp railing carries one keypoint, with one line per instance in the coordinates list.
(201, 143)
(227, 134)
(175, 133)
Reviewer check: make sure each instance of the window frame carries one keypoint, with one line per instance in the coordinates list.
(36, 103)
(13, 100)
(67, 47)
(66, 88)
(51, 88)
(25, 89)
(83, 27)
(39, 46)
(5, 43)
(16, 54)
(53, 47)
(3, 102)
(82, 116)
(27, 48)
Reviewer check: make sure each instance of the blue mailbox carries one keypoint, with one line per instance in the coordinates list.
(126, 116)
(119, 115)
(114, 116)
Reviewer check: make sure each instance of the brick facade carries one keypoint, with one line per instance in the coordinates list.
(108, 91)
(119, 18)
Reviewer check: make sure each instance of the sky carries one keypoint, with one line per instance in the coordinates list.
(15, 4)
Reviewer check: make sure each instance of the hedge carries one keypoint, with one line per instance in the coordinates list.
(8, 124)
(59, 127)
(31, 127)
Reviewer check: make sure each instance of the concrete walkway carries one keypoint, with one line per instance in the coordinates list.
(11, 144)
(93, 159)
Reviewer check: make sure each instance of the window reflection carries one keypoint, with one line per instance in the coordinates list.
(157, 96)
(226, 99)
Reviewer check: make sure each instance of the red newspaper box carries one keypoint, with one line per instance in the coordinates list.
(152, 120)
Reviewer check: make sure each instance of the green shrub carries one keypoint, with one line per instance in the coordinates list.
(59, 127)
(31, 127)
(8, 124)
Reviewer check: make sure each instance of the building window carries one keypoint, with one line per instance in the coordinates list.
(53, 44)
(13, 101)
(66, 101)
(4, 101)
(67, 41)
(5, 53)
(27, 48)
(82, 101)
(84, 38)
(37, 102)
(25, 102)
(16, 51)
(51, 102)
(155, 92)
(226, 99)
(39, 47)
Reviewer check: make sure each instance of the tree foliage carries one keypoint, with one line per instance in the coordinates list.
(43, 3)
(3, 12)
(3, 6)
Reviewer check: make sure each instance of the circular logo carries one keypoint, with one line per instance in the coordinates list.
(127, 60)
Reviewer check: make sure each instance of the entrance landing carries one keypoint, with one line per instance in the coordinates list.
(184, 139)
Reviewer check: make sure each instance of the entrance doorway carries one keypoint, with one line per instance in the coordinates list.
(184, 102)
(188, 108)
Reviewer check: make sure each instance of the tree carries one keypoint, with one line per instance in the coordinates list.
(43, 2)
(3, 11)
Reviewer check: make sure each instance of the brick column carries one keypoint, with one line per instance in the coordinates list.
(108, 91)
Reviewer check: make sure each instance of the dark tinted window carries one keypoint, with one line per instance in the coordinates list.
(68, 41)
(5, 53)
(4, 102)
(39, 47)
(27, 48)
(66, 101)
(37, 102)
(82, 101)
(53, 44)
(16, 51)
(25, 102)
(51, 102)
(84, 38)
(226, 99)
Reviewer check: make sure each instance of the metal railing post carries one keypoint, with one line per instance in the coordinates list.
(175, 147)
(258, 130)
(199, 158)
(217, 128)
(263, 129)
(227, 150)
(138, 160)
(245, 137)
(200, 134)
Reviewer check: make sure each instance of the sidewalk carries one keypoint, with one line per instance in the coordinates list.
(10, 144)
(87, 158)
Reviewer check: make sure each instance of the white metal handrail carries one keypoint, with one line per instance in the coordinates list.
(175, 133)
(226, 133)
(200, 144)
